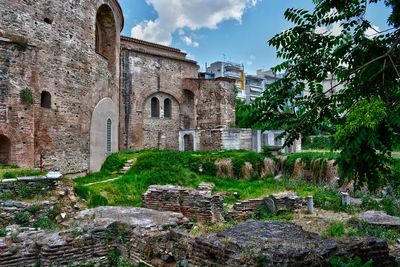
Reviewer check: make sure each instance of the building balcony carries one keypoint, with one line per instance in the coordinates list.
(231, 74)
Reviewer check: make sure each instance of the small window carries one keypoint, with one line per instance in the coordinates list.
(155, 107)
(45, 99)
(109, 148)
(167, 108)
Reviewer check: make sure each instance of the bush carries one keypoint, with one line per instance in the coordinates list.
(33, 209)
(325, 142)
(336, 230)
(346, 262)
(97, 201)
(22, 218)
(26, 96)
(45, 223)
(82, 191)
(9, 175)
(3, 232)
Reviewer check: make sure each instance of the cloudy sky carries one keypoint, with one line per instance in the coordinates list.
(211, 30)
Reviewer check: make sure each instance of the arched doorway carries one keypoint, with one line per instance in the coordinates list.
(103, 132)
(188, 142)
(5, 149)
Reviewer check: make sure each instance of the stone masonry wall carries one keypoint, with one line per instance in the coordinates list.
(150, 70)
(215, 105)
(161, 239)
(50, 46)
(197, 204)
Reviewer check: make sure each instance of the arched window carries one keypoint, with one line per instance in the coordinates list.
(167, 108)
(109, 147)
(45, 99)
(106, 33)
(155, 107)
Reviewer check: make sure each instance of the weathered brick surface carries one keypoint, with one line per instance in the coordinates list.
(199, 205)
(60, 58)
(150, 70)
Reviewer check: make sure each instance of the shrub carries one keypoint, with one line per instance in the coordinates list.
(26, 96)
(22, 218)
(336, 230)
(3, 232)
(318, 142)
(45, 223)
(82, 191)
(97, 201)
(9, 175)
(33, 209)
(54, 212)
(347, 262)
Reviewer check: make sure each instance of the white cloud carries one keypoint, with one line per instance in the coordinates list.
(187, 40)
(250, 61)
(175, 15)
(335, 29)
(372, 31)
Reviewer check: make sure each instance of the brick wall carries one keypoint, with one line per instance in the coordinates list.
(198, 205)
(59, 58)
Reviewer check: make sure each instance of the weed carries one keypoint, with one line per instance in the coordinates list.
(336, 229)
(26, 96)
(22, 218)
(346, 262)
(45, 223)
(97, 201)
(3, 232)
(33, 209)
(261, 260)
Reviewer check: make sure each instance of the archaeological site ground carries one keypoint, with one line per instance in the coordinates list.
(114, 151)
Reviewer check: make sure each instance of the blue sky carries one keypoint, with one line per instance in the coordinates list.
(212, 30)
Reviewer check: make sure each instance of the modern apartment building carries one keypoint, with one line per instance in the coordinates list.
(231, 70)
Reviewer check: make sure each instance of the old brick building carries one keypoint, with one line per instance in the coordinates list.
(72, 90)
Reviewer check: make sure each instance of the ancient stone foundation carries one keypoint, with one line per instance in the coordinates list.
(275, 203)
(280, 244)
(35, 185)
(162, 239)
(198, 205)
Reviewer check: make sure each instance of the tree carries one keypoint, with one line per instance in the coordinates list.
(366, 111)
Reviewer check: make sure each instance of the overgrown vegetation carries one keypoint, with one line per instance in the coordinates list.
(7, 172)
(26, 96)
(362, 105)
(347, 262)
(322, 142)
(190, 169)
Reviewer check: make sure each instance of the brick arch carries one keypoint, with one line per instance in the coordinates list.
(10, 133)
(106, 35)
(148, 98)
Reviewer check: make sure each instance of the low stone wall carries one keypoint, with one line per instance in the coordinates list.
(280, 244)
(275, 203)
(28, 185)
(138, 234)
(60, 206)
(161, 239)
(199, 205)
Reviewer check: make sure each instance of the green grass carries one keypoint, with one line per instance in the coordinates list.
(13, 171)
(182, 168)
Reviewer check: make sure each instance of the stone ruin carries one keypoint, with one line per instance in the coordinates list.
(158, 238)
(275, 203)
(198, 205)
(280, 244)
